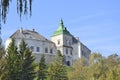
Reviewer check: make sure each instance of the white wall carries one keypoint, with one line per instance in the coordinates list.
(38, 43)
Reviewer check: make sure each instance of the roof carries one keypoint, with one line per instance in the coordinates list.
(28, 34)
(61, 30)
(74, 40)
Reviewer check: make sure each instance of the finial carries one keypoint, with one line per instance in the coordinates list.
(61, 21)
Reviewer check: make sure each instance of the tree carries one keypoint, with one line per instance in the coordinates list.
(113, 62)
(57, 70)
(2, 60)
(79, 70)
(22, 7)
(27, 62)
(12, 63)
(19, 62)
(42, 72)
(97, 67)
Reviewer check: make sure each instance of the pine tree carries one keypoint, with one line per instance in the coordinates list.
(57, 70)
(12, 63)
(19, 62)
(27, 62)
(42, 72)
(2, 60)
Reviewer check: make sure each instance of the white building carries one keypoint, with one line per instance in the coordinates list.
(70, 47)
(37, 43)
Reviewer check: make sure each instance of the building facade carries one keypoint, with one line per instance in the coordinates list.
(70, 47)
(36, 42)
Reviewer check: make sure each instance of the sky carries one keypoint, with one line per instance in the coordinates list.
(95, 22)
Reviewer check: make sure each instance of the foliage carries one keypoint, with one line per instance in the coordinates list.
(12, 63)
(100, 68)
(113, 62)
(78, 71)
(19, 63)
(42, 72)
(26, 62)
(2, 60)
(57, 70)
(22, 8)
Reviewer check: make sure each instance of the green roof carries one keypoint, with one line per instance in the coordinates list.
(61, 30)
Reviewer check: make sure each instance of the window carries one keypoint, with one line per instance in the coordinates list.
(32, 48)
(38, 49)
(66, 41)
(51, 50)
(83, 53)
(46, 50)
(58, 42)
(69, 42)
(68, 63)
(71, 52)
(66, 50)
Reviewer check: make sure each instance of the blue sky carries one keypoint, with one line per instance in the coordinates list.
(95, 22)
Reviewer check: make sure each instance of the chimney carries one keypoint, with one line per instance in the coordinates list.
(21, 30)
(77, 38)
(33, 30)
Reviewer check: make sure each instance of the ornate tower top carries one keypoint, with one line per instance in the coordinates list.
(61, 26)
(61, 29)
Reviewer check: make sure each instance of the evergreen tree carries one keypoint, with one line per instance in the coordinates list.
(57, 70)
(12, 63)
(2, 60)
(42, 72)
(27, 62)
(19, 63)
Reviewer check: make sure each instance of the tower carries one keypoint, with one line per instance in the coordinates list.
(63, 40)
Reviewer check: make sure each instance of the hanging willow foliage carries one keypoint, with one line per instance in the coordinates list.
(23, 7)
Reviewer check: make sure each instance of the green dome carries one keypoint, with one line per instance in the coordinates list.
(61, 30)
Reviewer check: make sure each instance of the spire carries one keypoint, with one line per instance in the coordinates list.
(61, 26)
(61, 21)
(61, 29)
